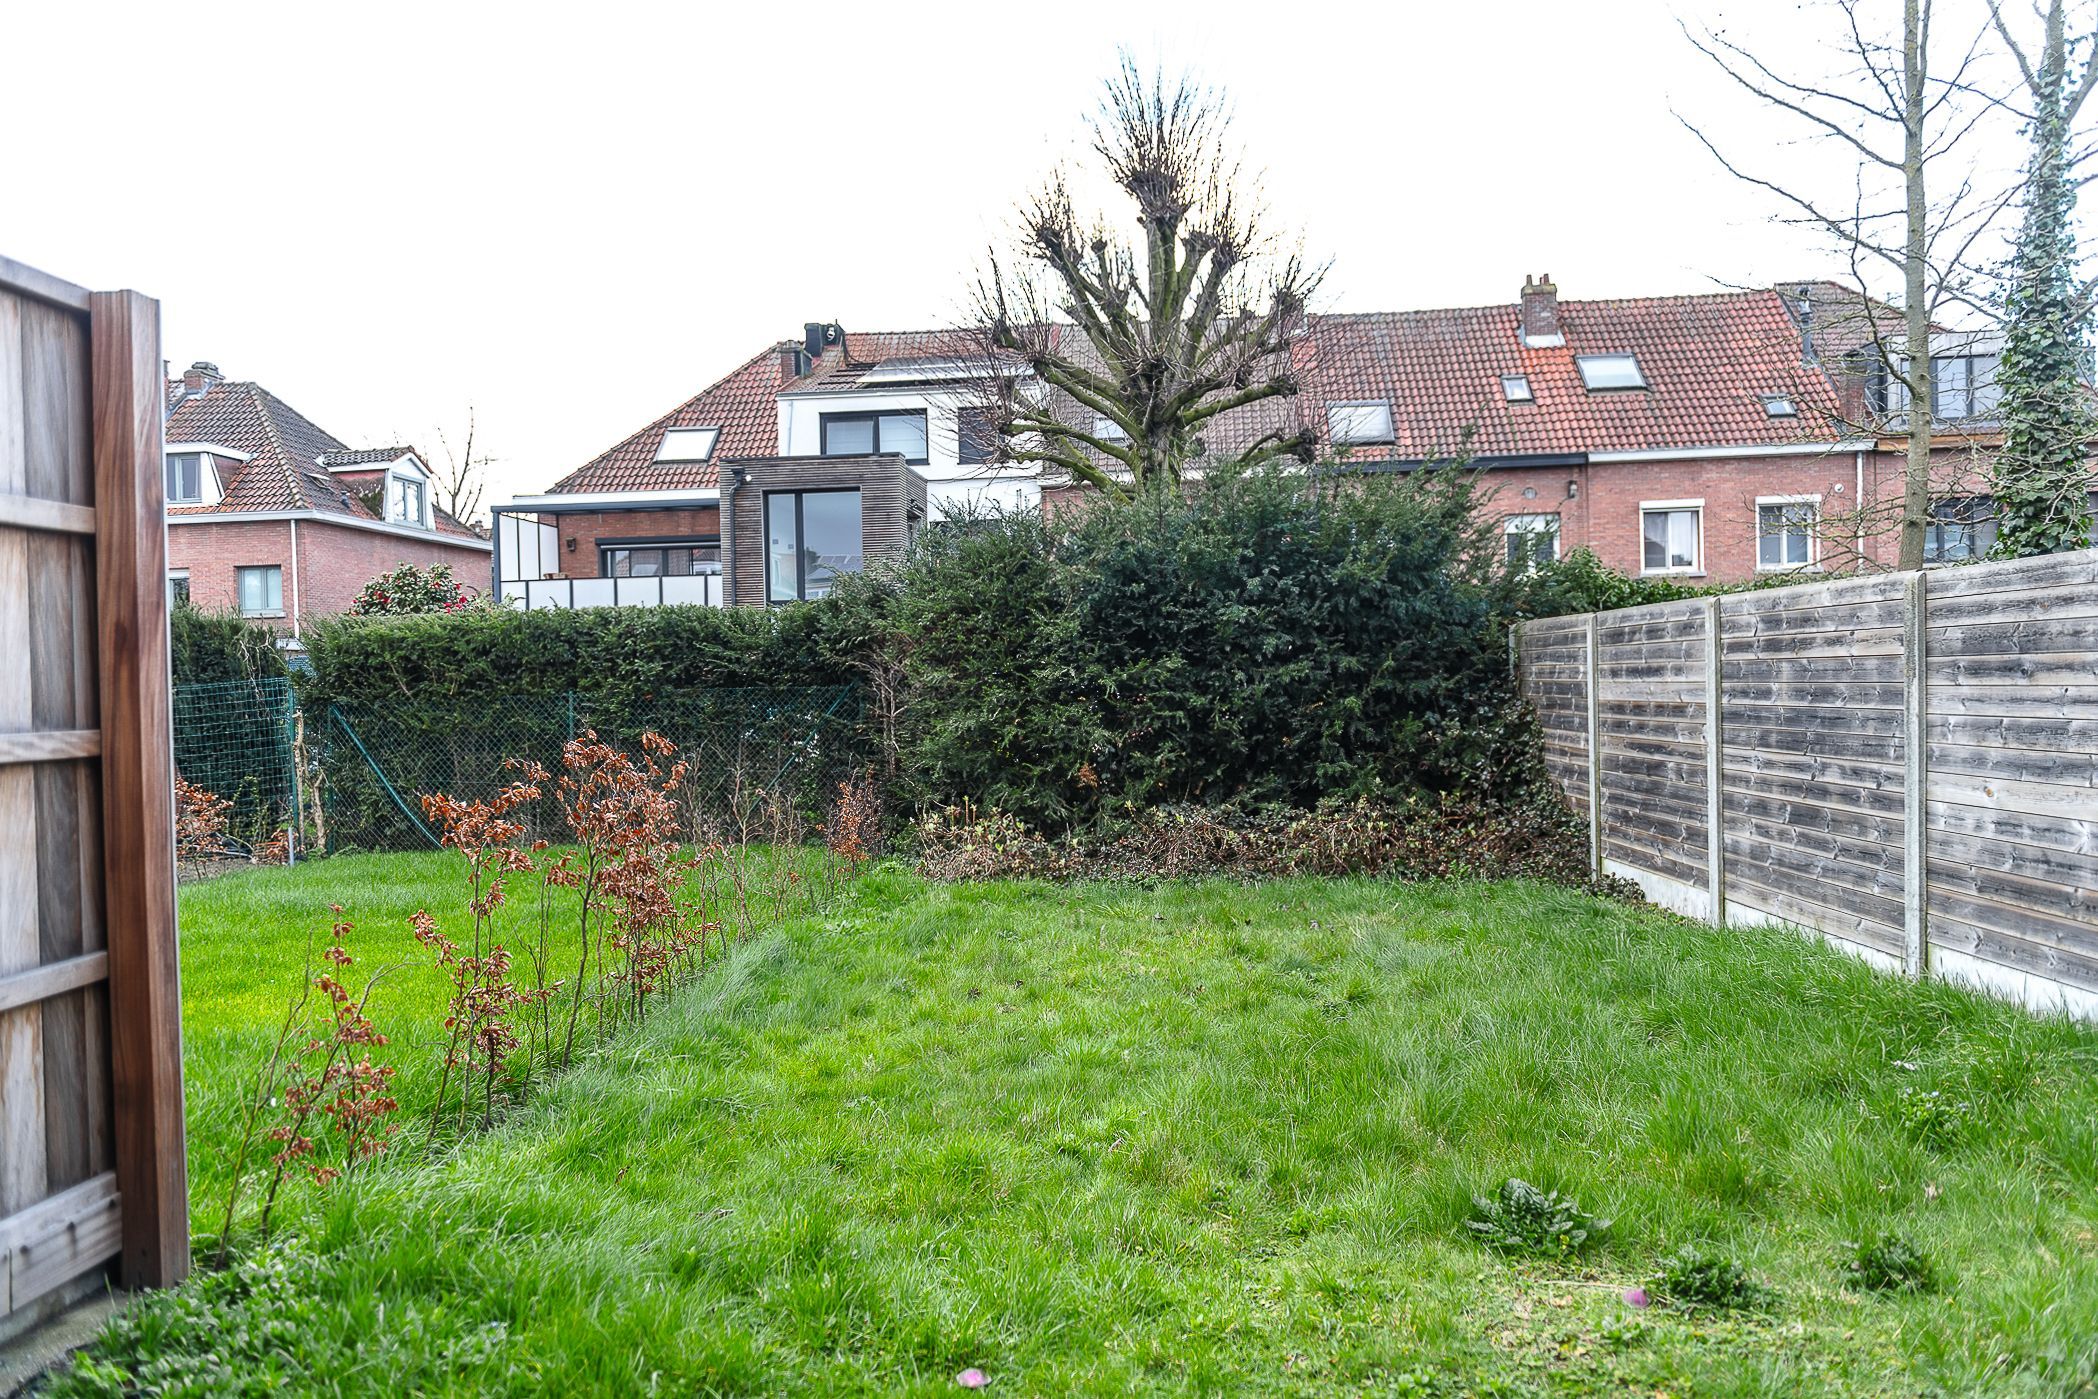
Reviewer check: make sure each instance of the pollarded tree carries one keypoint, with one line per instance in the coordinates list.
(1152, 340)
(2042, 475)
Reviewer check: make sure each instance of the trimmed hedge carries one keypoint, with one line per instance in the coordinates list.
(1261, 641)
(206, 648)
(625, 658)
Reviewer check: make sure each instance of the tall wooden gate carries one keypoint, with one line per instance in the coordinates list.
(91, 1154)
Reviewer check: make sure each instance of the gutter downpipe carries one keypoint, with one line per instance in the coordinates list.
(294, 580)
(1858, 504)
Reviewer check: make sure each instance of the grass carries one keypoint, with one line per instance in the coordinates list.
(1193, 1138)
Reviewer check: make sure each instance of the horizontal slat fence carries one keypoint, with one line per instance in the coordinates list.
(91, 1166)
(1906, 764)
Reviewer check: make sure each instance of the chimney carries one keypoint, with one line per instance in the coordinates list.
(201, 377)
(792, 363)
(1540, 313)
(817, 336)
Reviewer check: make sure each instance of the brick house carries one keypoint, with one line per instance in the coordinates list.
(1709, 438)
(271, 516)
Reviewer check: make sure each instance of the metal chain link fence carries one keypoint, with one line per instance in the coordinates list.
(781, 752)
(353, 777)
(238, 740)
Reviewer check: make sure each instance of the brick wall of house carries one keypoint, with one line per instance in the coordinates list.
(212, 551)
(1604, 511)
(579, 536)
(335, 561)
(1599, 505)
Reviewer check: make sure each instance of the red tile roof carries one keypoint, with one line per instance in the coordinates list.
(741, 405)
(1708, 362)
(284, 470)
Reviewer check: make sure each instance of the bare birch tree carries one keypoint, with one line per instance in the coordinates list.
(1909, 210)
(1153, 340)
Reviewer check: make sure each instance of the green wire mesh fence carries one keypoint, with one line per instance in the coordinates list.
(749, 753)
(238, 740)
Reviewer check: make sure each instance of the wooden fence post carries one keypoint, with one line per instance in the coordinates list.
(1595, 746)
(1915, 646)
(1715, 768)
(138, 809)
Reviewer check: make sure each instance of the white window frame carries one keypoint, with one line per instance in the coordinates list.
(1639, 380)
(1812, 563)
(688, 444)
(203, 460)
(240, 603)
(422, 485)
(1771, 402)
(177, 575)
(1355, 437)
(1526, 525)
(1108, 430)
(1646, 507)
(1508, 393)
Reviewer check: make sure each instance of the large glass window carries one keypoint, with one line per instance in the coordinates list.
(1785, 533)
(1669, 536)
(261, 590)
(811, 537)
(658, 560)
(864, 434)
(185, 478)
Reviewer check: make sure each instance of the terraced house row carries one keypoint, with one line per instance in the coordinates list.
(1705, 437)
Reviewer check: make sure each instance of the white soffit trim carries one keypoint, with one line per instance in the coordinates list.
(1784, 449)
(184, 448)
(584, 500)
(322, 517)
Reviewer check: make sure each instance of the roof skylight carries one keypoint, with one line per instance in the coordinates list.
(1516, 388)
(1779, 405)
(688, 444)
(1610, 372)
(1360, 424)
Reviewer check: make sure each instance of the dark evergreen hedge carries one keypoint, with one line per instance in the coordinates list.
(1261, 641)
(623, 657)
(210, 647)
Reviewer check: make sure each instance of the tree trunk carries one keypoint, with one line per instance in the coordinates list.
(1915, 495)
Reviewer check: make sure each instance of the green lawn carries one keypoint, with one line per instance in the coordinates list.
(1206, 1137)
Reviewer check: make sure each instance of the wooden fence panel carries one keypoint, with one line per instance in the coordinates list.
(2011, 823)
(1651, 716)
(1553, 657)
(1811, 690)
(77, 490)
(1907, 764)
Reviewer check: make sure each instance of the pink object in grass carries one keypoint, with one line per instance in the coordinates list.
(972, 1378)
(1635, 1297)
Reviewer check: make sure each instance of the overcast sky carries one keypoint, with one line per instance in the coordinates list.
(574, 217)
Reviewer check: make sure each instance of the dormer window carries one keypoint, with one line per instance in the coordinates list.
(1516, 388)
(688, 444)
(1601, 372)
(1108, 430)
(1360, 424)
(185, 478)
(1779, 405)
(407, 500)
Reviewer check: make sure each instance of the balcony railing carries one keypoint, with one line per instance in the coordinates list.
(535, 594)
